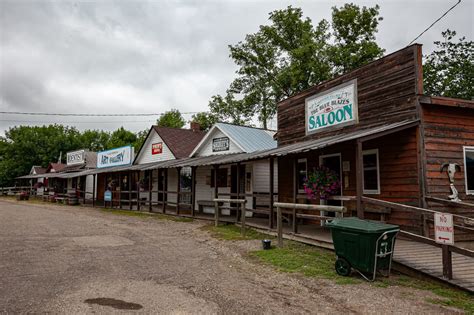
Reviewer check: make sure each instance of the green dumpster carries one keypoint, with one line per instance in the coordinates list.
(363, 245)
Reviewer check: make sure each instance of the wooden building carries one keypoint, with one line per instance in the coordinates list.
(385, 139)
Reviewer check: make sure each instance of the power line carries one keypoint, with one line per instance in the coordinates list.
(90, 115)
(77, 122)
(459, 1)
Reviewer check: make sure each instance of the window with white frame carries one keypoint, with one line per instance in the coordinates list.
(301, 173)
(469, 169)
(371, 171)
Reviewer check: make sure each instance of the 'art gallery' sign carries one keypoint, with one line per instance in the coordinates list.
(335, 107)
(115, 157)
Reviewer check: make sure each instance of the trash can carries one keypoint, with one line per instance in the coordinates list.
(366, 246)
(266, 244)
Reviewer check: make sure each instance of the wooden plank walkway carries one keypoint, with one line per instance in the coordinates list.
(428, 259)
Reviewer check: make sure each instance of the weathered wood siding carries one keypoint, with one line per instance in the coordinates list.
(399, 179)
(446, 131)
(386, 88)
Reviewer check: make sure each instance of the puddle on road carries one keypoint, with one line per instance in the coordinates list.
(117, 304)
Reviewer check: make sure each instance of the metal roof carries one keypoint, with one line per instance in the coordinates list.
(243, 157)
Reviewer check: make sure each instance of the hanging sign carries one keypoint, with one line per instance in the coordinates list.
(335, 107)
(444, 230)
(157, 148)
(220, 144)
(115, 157)
(76, 157)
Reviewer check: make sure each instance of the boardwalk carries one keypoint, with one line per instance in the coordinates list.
(428, 259)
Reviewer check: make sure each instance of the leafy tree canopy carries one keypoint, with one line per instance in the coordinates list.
(205, 120)
(449, 70)
(290, 55)
(172, 119)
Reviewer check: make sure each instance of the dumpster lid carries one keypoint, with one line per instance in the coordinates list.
(366, 226)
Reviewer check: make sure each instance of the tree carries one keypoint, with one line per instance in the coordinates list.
(449, 70)
(95, 140)
(290, 55)
(120, 138)
(354, 34)
(172, 119)
(25, 146)
(141, 137)
(205, 120)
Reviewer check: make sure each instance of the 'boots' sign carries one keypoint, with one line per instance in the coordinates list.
(336, 107)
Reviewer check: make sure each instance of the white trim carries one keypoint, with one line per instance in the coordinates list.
(208, 135)
(377, 167)
(467, 149)
(305, 160)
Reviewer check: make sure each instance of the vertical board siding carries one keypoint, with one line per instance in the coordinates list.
(386, 93)
(145, 155)
(446, 131)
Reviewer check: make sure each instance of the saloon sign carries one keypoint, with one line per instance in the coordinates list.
(335, 107)
(76, 157)
(115, 157)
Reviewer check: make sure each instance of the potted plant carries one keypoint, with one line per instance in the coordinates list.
(321, 183)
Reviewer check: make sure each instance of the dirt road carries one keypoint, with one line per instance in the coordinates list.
(80, 260)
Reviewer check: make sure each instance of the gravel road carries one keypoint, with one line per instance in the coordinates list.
(60, 259)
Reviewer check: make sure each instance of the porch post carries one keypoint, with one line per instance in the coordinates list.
(120, 190)
(93, 190)
(272, 175)
(178, 190)
(359, 179)
(130, 189)
(216, 194)
(165, 180)
(193, 189)
(150, 194)
(295, 196)
(238, 193)
(138, 190)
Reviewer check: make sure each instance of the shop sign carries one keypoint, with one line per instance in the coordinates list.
(76, 157)
(107, 195)
(444, 229)
(157, 148)
(336, 107)
(220, 144)
(115, 157)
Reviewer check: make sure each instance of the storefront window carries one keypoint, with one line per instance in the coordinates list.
(371, 172)
(469, 169)
(221, 177)
(301, 173)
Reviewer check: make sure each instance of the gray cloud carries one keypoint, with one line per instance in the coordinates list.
(146, 56)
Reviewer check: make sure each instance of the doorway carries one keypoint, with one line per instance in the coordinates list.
(332, 162)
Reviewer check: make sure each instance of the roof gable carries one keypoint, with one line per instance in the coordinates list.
(246, 139)
(146, 154)
(180, 141)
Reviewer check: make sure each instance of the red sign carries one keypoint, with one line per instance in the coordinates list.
(157, 148)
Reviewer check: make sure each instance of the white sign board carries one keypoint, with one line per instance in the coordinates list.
(76, 157)
(444, 230)
(115, 157)
(336, 107)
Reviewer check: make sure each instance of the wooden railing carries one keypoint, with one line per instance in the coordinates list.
(461, 223)
(241, 206)
(338, 210)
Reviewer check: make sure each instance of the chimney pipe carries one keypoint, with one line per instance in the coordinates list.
(195, 126)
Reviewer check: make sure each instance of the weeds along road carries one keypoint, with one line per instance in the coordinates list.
(61, 259)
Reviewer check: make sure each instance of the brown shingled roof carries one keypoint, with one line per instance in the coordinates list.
(180, 141)
(58, 167)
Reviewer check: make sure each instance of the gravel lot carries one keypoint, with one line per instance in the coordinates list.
(60, 259)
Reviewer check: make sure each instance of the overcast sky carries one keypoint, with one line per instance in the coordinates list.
(149, 57)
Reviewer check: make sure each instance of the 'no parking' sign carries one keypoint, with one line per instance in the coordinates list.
(444, 230)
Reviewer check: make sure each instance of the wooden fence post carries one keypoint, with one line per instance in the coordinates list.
(150, 192)
(216, 213)
(294, 227)
(242, 218)
(279, 227)
(93, 190)
(447, 262)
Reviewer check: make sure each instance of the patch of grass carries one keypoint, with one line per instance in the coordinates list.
(448, 296)
(231, 232)
(304, 259)
(132, 213)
